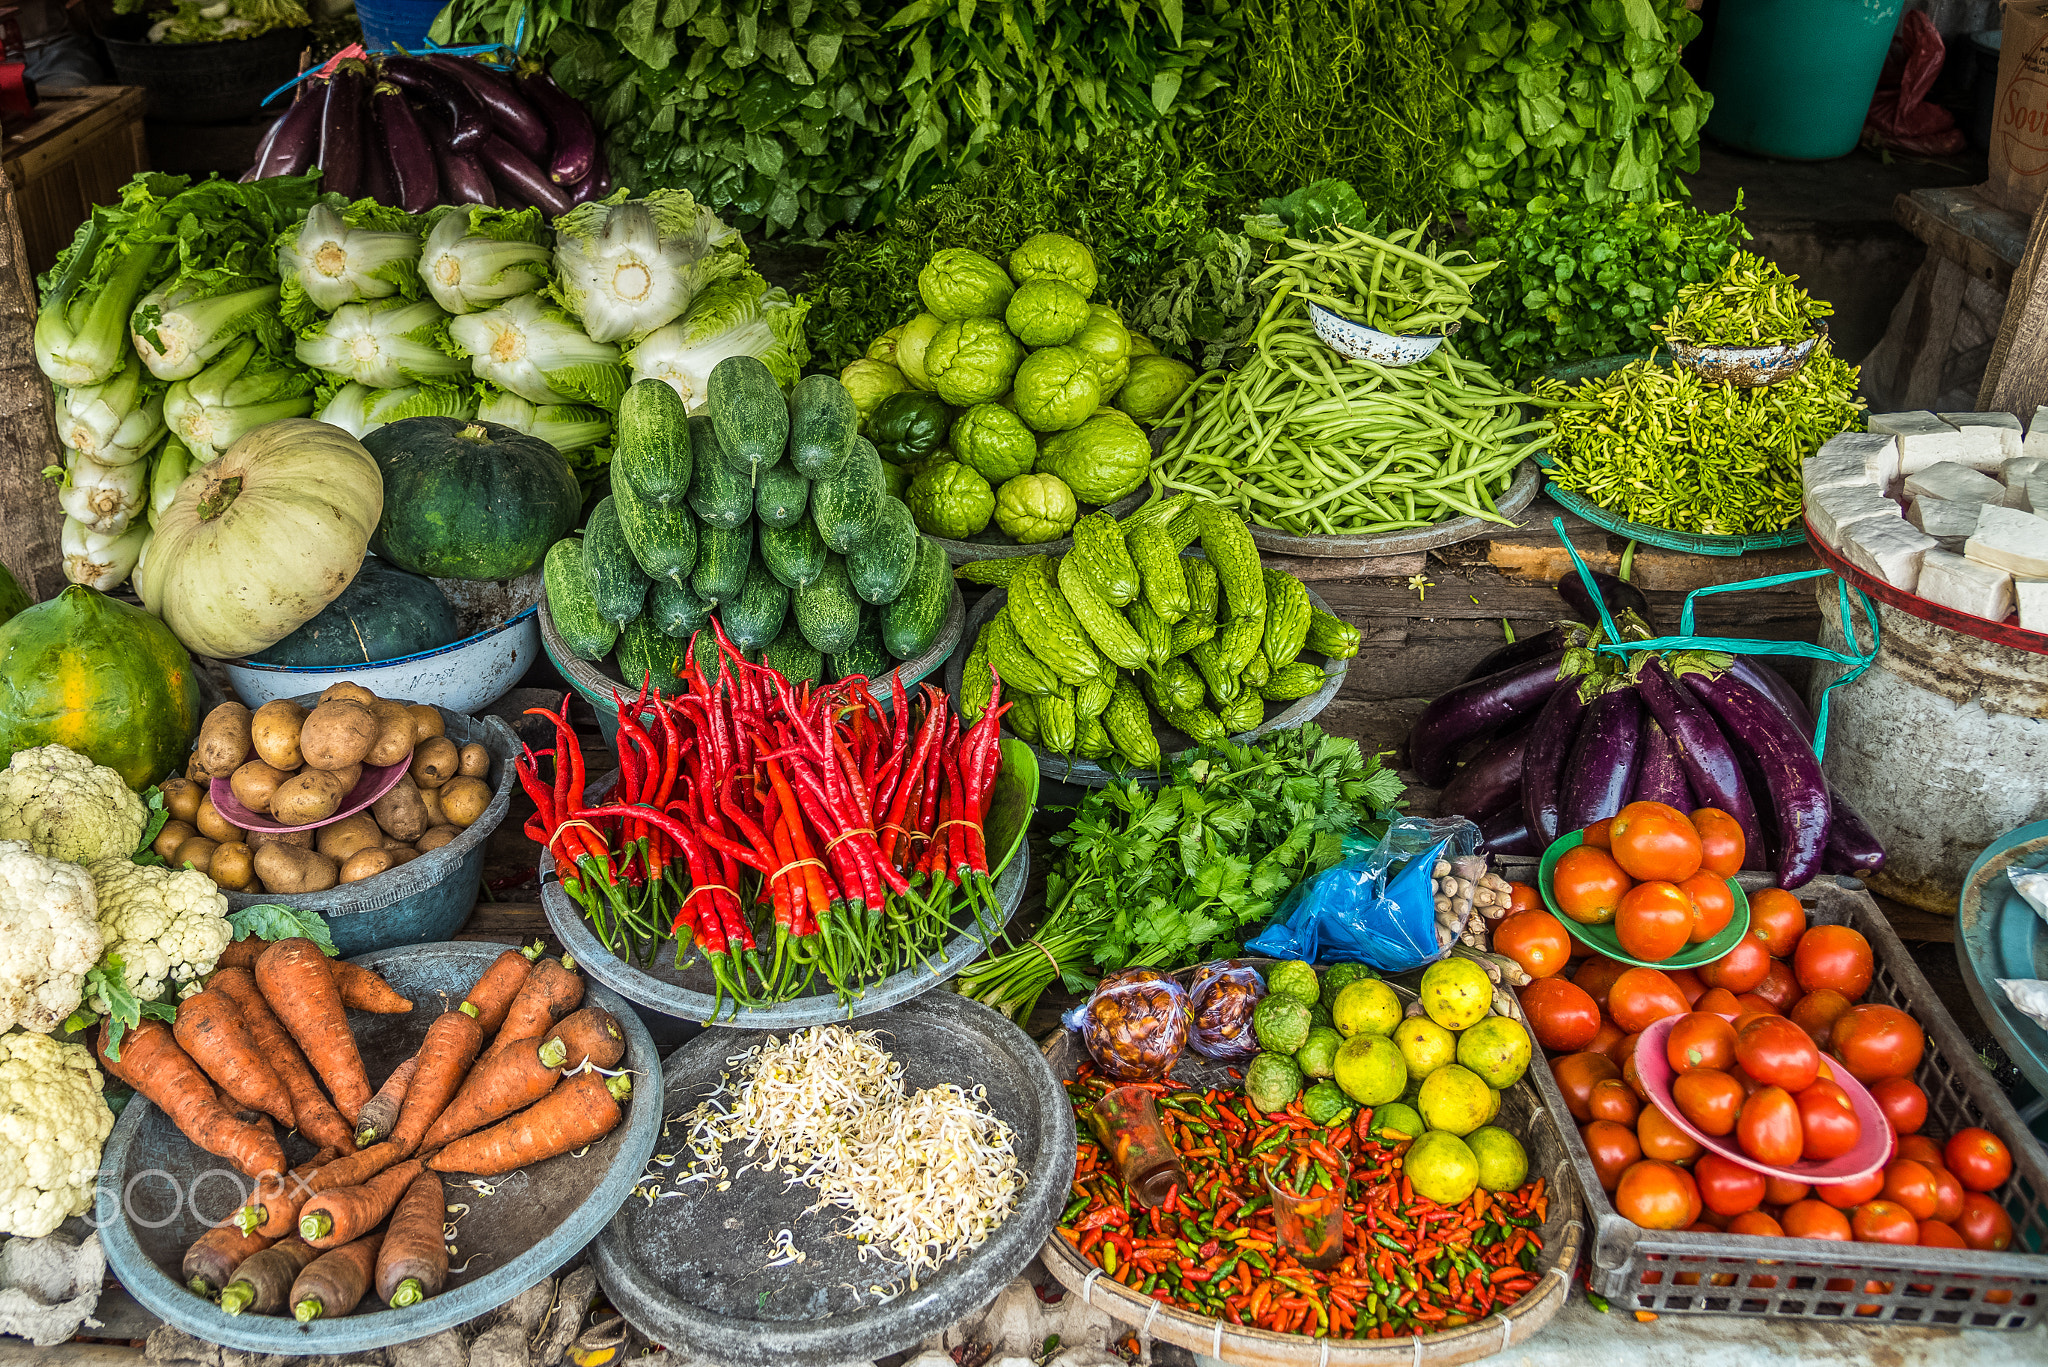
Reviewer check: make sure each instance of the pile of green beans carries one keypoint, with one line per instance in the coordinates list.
(1304, 441)
(1397, 284)
(1751, 303)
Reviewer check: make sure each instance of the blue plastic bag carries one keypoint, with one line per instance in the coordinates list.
(1378, 906)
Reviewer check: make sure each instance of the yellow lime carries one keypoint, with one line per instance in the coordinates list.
(1370, 1071)
(1425, 1045)
(1497, 1049)
(1442, 1167)
(1453, 1098)
(1503, 1166)
(1456, 992)
(1366, 1007)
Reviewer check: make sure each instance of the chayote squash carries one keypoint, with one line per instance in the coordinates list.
(1035, 508)
(994, 442)
(1103, 459)
(950, 500)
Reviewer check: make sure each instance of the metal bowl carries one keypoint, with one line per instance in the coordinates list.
(1747, 367)
(1362, 343)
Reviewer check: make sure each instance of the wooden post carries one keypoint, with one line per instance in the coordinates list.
(29, 518)
(2016, 377)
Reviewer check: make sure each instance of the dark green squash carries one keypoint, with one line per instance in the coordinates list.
(383, 614)
(469, 500)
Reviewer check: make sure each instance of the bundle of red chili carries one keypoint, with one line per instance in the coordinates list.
(744, 800)
(1410, 1265)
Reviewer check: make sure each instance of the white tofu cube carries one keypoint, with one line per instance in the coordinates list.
(2011, 540)
(1953, 482)
(1834, 467)
(2036, 443)
(2037, 492)
(1888, 548)
(1955, 582)
(2017, 470)
(1877, 453)
(1915, 423)
(1949, 523)
(1831, 511)
(2004, 425)
(2032, 595)
(1923, 439)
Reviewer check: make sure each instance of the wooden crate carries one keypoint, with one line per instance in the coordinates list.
(81, 147)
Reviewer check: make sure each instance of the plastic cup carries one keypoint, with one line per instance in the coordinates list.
(1126, 1123)
(1308, 1213)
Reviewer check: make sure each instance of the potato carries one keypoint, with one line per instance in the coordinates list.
(394, 733)
(213, 825)
(431, 799)
(435, 760)
(170, 837)
(233, 867)
(367, 863)
(288, 868)
(302, 839)
(400, 852)
(475, 761)
(463, 800)
(348, 777)
(354, 692)
(348, 835)
(426, 721)
(196, 771)
(306, 797)
(400, 813)
(339, 733)
(436, 838)
(223, 740)
(182, 798)
(275, 730)
(196, 853)
(254, 783)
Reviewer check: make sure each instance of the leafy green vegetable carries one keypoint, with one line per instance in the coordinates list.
(273, 921)
(124, 1009)
(158, 815)
(1751, 303)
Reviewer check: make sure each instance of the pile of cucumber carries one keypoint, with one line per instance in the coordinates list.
(769, 512)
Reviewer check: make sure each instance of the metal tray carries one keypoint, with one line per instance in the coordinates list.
(1528, 482)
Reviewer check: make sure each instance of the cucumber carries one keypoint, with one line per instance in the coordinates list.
(617, 583)
(755, 618)
(846, 506)
(822, 425)
(646, 650)
(749, 412)
(794, 555)
(577, 621)
(780, 495)
(796, 659)
(827, 611)
(864, 655)
(651, 444)
(881, 565)
(721, 494)
(723, 555)
(677, 609)
(911, 623)
(663, 539)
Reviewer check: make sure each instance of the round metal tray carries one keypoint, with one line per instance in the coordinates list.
(1521, 493)
(158, 1191)
(990, 543)
(691, 1273)
(1999, 936)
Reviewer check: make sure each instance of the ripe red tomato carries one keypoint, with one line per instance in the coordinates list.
(1984, 1223)
(1815, 1013)
(1883, 1222)
(1534, 939)
(1714, 903)
(1597, 975)
(1768, 1128)
(1522, 897)
(1575, 1075)
(1652, 840)
(1913, 1186)
(1780, 917)
(1948, 1193)
(1699, 1040)
(1588, 885)
(1654, 920)
(1623, 1051)
(1753, 1005)
(1662, 1139)
(1758, 1223)
(1611, 1099)
(1604, 1041)
(1562, 1017)
(1710, 1099)
(1722, 845)
(1979, 1159)
(1742, 968)
(1849, 1195)
(1777, 1053)
(1939, 1234)
(1612, 1147)
(1902, 1102)
(1812, 1220)
(1833, 956)
(1876, 1041)
(1920, 1149)
(1718, 1000)
(1687, 982)
(1783, 1191)
(1726, 1187)
(1598, 835)
(1827, 1121)
(1633, 1078)
(1656, 1195)
(1641, 997)
(1779, 987)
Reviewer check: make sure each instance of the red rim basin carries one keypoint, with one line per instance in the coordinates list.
(1872, 1152)
(376, 781)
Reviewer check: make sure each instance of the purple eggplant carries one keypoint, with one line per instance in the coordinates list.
(1602, 766)
(1853, 847)
(1516, 652)
(405, 147)
(1475, 710)
(596, 185)
(1620, 597)
(378, 183)
(1659, 775)
(1490, 783)
(295, 140)
(1543, 761)
(1507, 833)
(464, 179)
(1703, 751)
(512, 118)
(513, 171)
(341, 131)
(574, 134)
(1799, 795)
(467, 124)
(1772, 685)
(263, 149)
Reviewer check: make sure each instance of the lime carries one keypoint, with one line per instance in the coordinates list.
(1442, 1167)
(1293, 978)
(1453, 1098)
(1493, 1104)
(1367, 1007)
(1326, 1104)
(1503, 1166)
(1337, 977)
(1318, 1057)
(1425, 1045)
(1497, 1049)
(1456, 992)
(1370, 1071)
(1395, 1121)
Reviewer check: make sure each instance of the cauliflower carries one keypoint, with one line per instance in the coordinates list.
(49, 937)
(67, 807)
(53, 1121)
(165, 927)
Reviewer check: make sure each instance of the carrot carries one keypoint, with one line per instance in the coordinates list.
(591, 1035)
(509, 1080)
(550, 992)
(492, 993)
(214, 1256)
(210, 1029)
(262, 1212)
(583, 1110)
(445, 1055)
(241, 954)
(152, 1063)
(312, 1112)
(264, 1280)
(333, 1283)
(363, 990)
(295, 981)
(413, 1262)
(380, 1113)
(278, 1212)
(341, 1214)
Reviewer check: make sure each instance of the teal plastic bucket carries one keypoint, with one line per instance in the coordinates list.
(1793, 78)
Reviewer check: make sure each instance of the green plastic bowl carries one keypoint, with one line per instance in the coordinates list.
(1603, 938)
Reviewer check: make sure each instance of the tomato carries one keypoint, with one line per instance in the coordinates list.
(1756, 1222)
(1884, 1222)
(1611, 1099)
(1633, 1078)
(1827, 1121)
(1722, 845)
(1700, 1040)
(1641, 997)
(1623, 1050)
(1779, 987)
(1654, 920)
(1588, 885)
(1714, 904)
(1709, 1099)
(1742, 968)
(1978, 1158)
(1902, 1102)
(1783, 1191)
(1598, 974)
(1833, 956)
(1812, 1220)
(1815, 1013)
(1687, 982)
(1948, 1193)
(1575, 1075)
(1726, 1187)
(1604, 1041)
(1984, 1223)
(1913, 1186)
(1534, 939)
(1876, 1042)
(1662, 1138)
(1920, 1149)
(1779, 917)
(1777, 1053)
(1849, 1195)
(1522, 897)
(1656, 1195)
(1597, 834)
(1753, 1005)
(1719, 1001)
(1562, 1017)
(1612, 1147)
(1768, 1128)
(1651, 840)
(1936, 1234)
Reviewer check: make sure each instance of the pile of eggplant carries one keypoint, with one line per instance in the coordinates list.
(413, 132)
(1555, 735)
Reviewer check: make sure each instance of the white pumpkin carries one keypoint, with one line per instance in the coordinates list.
(255, 543)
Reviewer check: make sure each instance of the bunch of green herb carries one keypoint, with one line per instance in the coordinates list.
(1668, 449)
(1168, 878)
(1751, 303)
(1581, 281)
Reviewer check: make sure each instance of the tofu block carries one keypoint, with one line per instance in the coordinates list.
(1949, 523)
(1831, 511)
(2032, 595)
(1955, 483)
(2021, 468)
(1917, 423)
(1834, 469)
(2036, 443)
(1888, 548)
(1956, 582)
(2005, 425)
(1875, 454)
(2037, 492)
(2011, 540)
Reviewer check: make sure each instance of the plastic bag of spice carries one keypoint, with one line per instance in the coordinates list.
(1135, 1024)
(1220, 1001)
